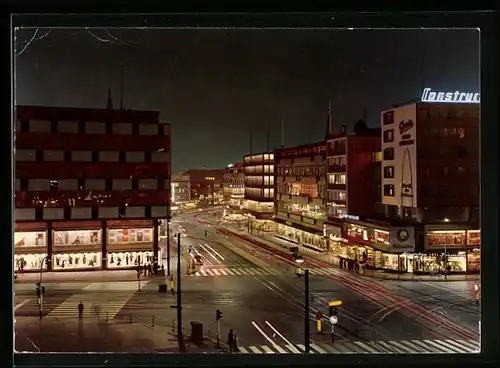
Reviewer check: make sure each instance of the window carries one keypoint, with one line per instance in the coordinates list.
(445, 171)
(135, 156)
(67, 155)
(95, 128)
(389, 135)
(52, 155)
(148, 184)
(95, 184)
(53, 126)
(389, 190)
(388, 154)
(461, 132)
(148, 129)
(38, 126)
(37, 185)
(121, 157)
(388, 118)
(122, 184)
(160, 157)
(389, 172)
(109, 156)
(25, 126)
(461, 152)
(25, 155)
(18, 185)
(67, 127)
(67, 184)
(122, 128)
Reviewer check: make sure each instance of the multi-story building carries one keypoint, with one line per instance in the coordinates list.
(234, 185)
(259, 184)
(300, 194)
(90, 187)
(430, 173)
(205, 184)
(350, 172)
(181, 189)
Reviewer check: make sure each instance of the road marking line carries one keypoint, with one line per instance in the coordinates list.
(255, 350)
(280, 349)
(424, 347)
(303, 348)
(21, 304)
(473, 345)
(441, 348)
(258, 271)
(280, 335)
(243, 350)
(250, 271)
(366, 347)
(417, 349)
(456, 346)
(267, 349)
(229, 271)
(402, 347)
(318, 349)
(237, 272)
(216, 272)
(203, 272)
(223, 271)
(264, 334)
(213, 250)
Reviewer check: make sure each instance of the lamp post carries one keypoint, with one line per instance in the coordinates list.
(307, 338)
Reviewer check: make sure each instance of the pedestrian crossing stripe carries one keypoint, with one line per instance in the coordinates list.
(110, 303)
(233, 271)
(372, 347)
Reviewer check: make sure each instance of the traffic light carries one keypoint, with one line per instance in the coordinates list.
(37, 291)
(218, 315)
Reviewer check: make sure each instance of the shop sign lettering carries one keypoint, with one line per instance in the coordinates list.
(450, 97)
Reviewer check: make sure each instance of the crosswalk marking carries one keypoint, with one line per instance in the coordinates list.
(372, 347)
(110, 302)
(232, 271)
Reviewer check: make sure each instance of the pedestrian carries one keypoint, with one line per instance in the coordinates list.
(80, 310)
(230, 338)
(235, 343)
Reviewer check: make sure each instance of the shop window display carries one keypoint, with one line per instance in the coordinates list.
(473, 260)
(122, 236)
(76, 260)
(30, 239)
(129, 259)
(473, 237)
(77, 237)
(445, 238)
(29, 262)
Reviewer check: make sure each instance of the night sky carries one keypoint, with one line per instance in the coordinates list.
(214, 86)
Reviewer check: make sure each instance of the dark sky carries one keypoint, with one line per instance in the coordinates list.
(213, 86)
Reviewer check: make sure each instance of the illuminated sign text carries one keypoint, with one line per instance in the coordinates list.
(450, 97)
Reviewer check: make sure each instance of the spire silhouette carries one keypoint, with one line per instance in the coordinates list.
(109, 105)
(329, 121)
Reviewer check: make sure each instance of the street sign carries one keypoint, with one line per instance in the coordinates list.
(319, 315)
(335, 303)
(334, 320)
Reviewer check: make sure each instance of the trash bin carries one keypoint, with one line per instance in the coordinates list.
(196, 332)
(162, 288)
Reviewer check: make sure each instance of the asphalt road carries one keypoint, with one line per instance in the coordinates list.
(261, 298)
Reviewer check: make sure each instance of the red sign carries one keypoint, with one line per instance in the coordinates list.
(319, 315)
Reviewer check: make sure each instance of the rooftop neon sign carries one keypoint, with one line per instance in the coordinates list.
(450, 97)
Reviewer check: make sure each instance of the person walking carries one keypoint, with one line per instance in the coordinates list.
(80, 310)
(230, 338)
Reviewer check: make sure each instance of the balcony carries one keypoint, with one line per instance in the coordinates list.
(304, 220)
(337, 169)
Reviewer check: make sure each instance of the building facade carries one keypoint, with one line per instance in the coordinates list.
(234, 185)
(181, 189)
(430, 176)
(205, 185)
(91, 186)
(300, 208)
(259, 185)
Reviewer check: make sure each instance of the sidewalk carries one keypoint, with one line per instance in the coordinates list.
(90, 335)
(77, 276)
(333, 260)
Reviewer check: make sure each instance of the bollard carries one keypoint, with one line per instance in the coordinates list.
(153, 322)
(130, 318)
